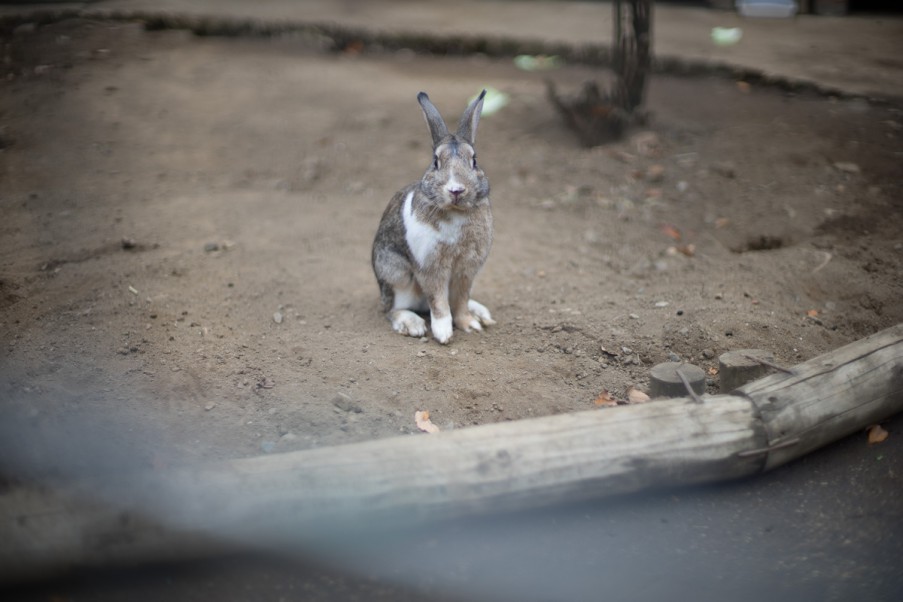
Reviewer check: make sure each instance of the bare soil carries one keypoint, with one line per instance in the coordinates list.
(186, 230)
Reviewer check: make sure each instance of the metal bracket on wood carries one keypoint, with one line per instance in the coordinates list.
(765, 362)
(689, 387)
(765, 450)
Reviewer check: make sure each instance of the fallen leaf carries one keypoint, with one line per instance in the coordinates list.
(354, 47)
(812, 313)
(688, 250)
(669, 230)
(605, 400)
(422, 418)
(877, 434)
(713, 371)
(634, 395)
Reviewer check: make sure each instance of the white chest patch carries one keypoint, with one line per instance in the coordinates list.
(423, 239)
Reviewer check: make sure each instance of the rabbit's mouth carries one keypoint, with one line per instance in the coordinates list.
(460, 204)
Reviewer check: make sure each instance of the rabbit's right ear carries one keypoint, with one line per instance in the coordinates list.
(438, 129)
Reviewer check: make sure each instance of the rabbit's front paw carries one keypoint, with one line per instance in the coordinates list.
(481, 313)
(442, 328)
(468, 323)
(409, 323)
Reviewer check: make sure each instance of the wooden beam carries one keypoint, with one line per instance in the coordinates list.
(831, 396)
(312, 495)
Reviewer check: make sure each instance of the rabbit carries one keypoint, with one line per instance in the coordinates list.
(435, 235)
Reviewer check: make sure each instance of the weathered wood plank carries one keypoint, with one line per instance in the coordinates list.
(308, 495)
(511, 465)
(314, 494)
(830, 396)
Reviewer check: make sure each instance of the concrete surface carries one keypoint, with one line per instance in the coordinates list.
(858, 55)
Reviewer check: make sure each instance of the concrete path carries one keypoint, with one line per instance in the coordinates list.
(860, 55)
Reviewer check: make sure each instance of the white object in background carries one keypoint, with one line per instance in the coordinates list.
(767, 8)
(726, 36)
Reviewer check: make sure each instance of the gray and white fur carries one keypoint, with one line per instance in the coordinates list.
(435, 235)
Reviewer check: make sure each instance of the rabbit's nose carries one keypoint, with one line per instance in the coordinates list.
(456, 191)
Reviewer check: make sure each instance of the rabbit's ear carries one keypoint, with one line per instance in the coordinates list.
(467, 128)
(438, 129)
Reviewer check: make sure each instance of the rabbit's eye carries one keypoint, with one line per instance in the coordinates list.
(436, 162)
(474, 161)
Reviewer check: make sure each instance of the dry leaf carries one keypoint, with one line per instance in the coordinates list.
(672, 231)
(688, 250)
(634, 395)
(422, 418)
(877, 434)
(354, 47)
(812, 313)
(713, 371)
(605, 400)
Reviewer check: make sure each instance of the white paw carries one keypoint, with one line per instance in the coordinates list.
(409, 323)
(469, 323)
(480, 313)
(442, 328)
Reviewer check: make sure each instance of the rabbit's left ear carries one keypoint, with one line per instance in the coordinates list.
(467, 128)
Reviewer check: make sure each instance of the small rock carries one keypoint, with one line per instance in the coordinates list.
(288, 437)
(708, 353)
(344, 402)
(647, 144)
(655, 173)
(267, 447)
(633, 316)
(725, 169)
(661, 304)
(25, 28)
(210, 406)
(847, 167)
(311, 170)
(277, 317)
(210, 247)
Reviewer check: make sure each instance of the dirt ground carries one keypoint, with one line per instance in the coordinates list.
(184, 248)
